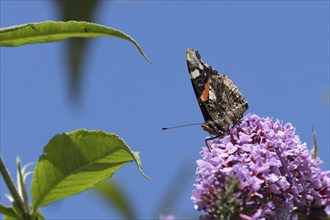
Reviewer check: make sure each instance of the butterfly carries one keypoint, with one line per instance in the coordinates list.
(219, 99)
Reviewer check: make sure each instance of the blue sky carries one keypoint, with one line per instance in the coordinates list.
(277, 53)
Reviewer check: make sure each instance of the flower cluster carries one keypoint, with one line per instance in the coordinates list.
(259, 170)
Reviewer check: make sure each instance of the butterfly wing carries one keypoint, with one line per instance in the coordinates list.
(223, 102)
(199, 73)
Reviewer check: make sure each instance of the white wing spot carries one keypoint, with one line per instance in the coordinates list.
(212, 95)
(201, 66)
(194, 74)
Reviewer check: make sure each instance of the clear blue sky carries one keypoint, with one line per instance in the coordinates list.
(277, 53)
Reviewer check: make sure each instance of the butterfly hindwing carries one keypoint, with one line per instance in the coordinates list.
(225, 104)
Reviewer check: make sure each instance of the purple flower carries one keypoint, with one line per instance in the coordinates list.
(259, 170)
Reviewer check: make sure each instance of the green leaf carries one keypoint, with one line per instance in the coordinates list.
(116, 197)
(8, 211)
(10, 214)
(75, 161)
(314, 144)
(50, 31)
(75, 51)
(40, 215)
(21, 186)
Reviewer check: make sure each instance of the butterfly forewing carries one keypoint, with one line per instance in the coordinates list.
(199, 74)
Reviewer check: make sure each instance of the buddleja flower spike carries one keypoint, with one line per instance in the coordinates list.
(260, 170)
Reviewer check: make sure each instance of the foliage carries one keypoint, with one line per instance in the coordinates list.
(51, 31)
(72, 162)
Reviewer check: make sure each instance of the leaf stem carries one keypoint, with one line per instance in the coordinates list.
(11, 186)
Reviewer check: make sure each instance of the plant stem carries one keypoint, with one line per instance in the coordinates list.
(11, 186)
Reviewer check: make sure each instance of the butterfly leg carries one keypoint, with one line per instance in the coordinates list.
(211, 138)
(207, 139)
(211, 128)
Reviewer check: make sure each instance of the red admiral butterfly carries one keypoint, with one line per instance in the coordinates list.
(219, 99)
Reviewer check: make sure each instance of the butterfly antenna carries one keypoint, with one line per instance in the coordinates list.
(180, 126)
